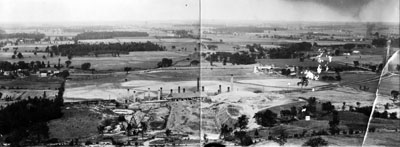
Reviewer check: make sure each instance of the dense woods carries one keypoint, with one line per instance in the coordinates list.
(108, 35)
(27, 119)
(290, 51)
(112, 48)
(236, 58)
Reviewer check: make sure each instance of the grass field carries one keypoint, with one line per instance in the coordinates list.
(33, 83)
(77, 122)
(383, 139)
(373, 59)
(140, 60)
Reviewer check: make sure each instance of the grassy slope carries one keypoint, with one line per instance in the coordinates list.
(77, 122)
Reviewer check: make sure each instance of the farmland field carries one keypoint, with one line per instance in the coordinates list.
(139, 60)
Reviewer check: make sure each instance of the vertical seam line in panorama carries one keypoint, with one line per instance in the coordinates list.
(200, 92)
(376, 94)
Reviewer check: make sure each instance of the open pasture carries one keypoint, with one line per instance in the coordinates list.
(139, 39)
(32, 83)
(362, 59)
(135, 60)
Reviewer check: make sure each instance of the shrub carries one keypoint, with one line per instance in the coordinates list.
(85, 66)
(316, 142)
(266, 118)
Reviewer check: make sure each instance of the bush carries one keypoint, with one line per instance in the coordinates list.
(316, 142)
(393, 115)
(165, 63)
(257, 91)
(266, 118)
(245, 139)
(242, 58)
(85, 66)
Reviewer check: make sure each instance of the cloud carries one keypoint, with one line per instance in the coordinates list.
(147, 10)
(360, 10)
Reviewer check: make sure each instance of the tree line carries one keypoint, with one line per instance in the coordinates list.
(35, 36)
(235, 58)
(108, 35)
(95, 49)
(247, 29)
(290, 50)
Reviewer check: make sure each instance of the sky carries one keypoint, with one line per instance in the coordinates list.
(26, 11)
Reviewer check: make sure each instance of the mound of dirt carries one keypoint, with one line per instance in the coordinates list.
(184, 117)
(238, 96)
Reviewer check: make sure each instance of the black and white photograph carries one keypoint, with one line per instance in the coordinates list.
(212, 73)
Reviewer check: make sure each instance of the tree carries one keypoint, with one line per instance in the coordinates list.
(282, 136)
(165, 63)
(64, 74)
(393, 115)
(334, 123)
(85, 66)
(349, 46)
(36, 48)
(266, 118)
(386, 106)
(384, 114)
(69, 56)
(379, 42)
(194, 63)
(344, 106)
(245, 139)
(293, 110)
(168, 132)
(225, 131)
(127, 69)
(242, 122)
(47, 49)
(20, 56)
(68, 62)
(224, 61)
(316, 142)
(21, 125)
(337, 52)
(312, 102)
(144, 128)
(121, 118)
(256, 133)
(59, 63)
(328, 106)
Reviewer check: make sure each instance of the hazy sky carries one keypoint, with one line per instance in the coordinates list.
(147, 10)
